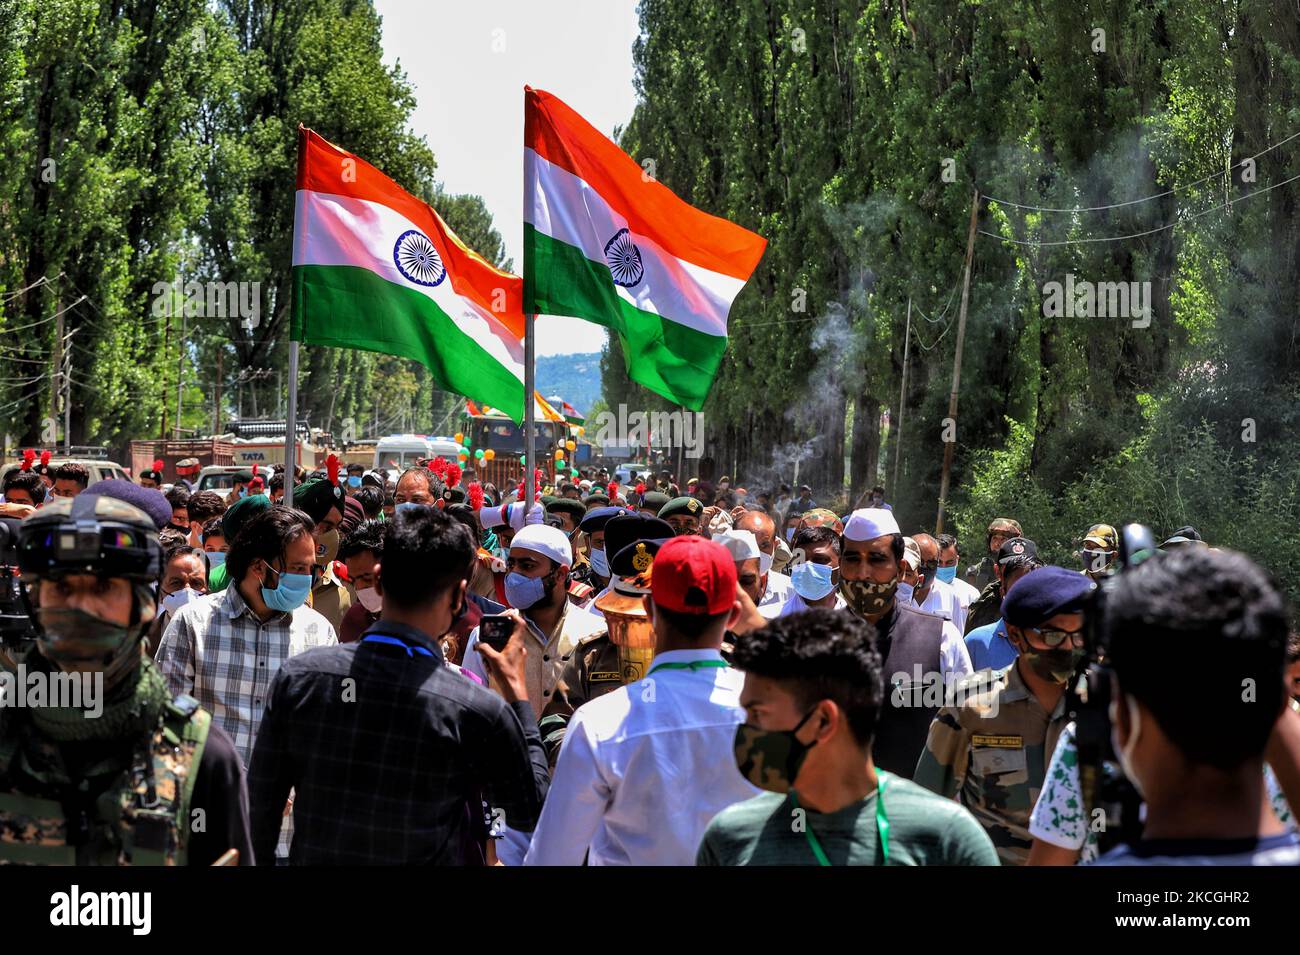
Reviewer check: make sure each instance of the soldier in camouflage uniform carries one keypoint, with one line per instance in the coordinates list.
(121, 773)
(991, 745)
(1001, 529)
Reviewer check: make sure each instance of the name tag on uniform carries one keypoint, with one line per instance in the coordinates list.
(998, 754)
(601, 676)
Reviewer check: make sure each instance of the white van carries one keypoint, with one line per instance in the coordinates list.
(400, 451)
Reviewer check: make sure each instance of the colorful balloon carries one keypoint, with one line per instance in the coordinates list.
(479, 454)
(459, 437)
(489, 454)
(572, 446)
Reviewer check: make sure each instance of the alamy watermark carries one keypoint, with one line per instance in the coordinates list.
(930, 690)
(1083, 299)
(242, 300)
(38, 688)
(637, 429)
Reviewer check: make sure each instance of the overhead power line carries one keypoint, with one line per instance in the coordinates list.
(1218, 207)
(1157, 195)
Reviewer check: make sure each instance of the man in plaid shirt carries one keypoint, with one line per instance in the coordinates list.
(224, 649)
(393, 754)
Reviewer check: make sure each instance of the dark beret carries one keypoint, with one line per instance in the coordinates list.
(596, 519)
(576, 509)
(241, 512)
(317, 497)
(149, 499)
(655, 499)
(1042, 594)
(682, 505)
(622, 532)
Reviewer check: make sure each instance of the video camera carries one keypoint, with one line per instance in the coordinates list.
(1104, 785)
(16, 630)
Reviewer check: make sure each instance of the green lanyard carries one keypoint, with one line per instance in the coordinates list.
(882, 824)
(693, 665)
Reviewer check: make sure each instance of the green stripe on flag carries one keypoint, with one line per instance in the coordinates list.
(349, 307)
(670, 359)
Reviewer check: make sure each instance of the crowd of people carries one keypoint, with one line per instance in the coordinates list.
(416, 668)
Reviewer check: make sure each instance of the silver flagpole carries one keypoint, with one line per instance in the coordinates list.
(529, 451)
(530, 462)
(290, 426)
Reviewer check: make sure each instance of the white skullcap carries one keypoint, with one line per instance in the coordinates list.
(742, 545)
(545, 540)
(911, 553)
(868, 523)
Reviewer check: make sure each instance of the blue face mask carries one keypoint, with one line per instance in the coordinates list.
(408, 506)
(290, 594)
(946, 574)
(523, 592)
(904, 593)
(243, 492)
(599, 562)
(354, 481)
(812, 581)
(215, 559)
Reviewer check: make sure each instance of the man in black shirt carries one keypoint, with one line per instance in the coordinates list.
(394, 755)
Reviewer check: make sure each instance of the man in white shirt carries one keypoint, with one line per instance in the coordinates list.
(814, 574)
(947, 573)
(644, 768)
(776, 586)
(931, 594)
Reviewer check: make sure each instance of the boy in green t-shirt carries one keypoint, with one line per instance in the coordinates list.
(812, 694)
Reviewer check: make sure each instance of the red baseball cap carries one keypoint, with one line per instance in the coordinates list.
(693, 575)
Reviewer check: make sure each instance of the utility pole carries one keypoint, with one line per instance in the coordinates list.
(902, 399)
(956, 364)
(167, 340)
(67, 396)
(58, 365)
(216, 400)
(180, 375)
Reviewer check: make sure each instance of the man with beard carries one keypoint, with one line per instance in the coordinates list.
(991, 745)
(923, 653)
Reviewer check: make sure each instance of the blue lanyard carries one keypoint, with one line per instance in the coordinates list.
(411, 649)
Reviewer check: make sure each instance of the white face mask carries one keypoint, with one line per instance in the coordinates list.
(174, 602)
(370, 599)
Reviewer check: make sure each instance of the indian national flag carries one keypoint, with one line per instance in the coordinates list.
(604, 242)
(376, 268)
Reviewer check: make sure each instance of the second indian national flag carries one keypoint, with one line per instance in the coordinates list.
(604, 242)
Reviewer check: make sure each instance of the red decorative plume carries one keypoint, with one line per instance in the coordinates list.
(28, 457)
(475, 495)
(439, 468)
(452, 473)
(157, 464)
(255, 468)
(332, 469)
(640, 487)
(45, 458)
(612, 488)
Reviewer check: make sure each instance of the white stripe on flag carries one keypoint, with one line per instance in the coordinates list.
(342, 230)
(564, 207)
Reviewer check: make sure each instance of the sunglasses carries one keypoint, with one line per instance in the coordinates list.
(1054, 638)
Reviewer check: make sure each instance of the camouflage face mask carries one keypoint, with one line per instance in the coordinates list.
(1053, 665)
(770, 759)
(866, 596)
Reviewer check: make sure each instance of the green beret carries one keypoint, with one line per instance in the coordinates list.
(655, 499)
(548, 500)
(596, 500)
(682, 505)
(241, 512)
(576, 509)
(317, 497)
(244, 476)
